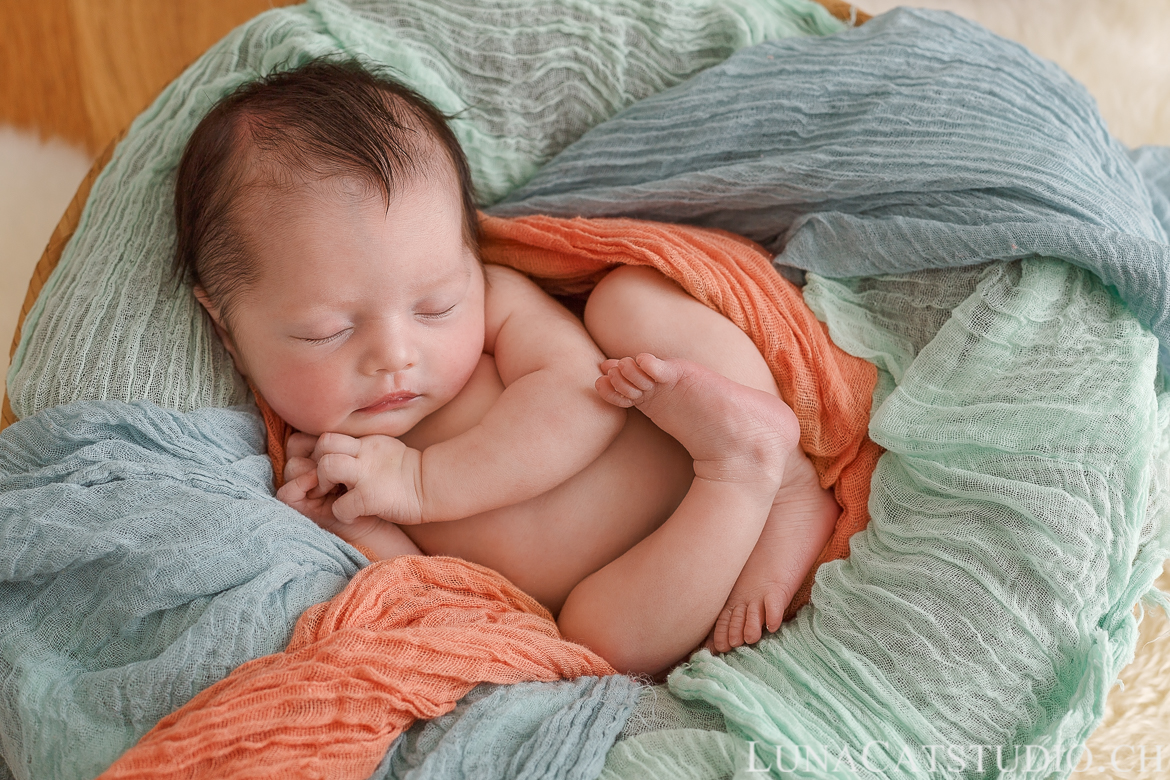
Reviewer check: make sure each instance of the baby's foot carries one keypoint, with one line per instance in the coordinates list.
(802, 518)
(734, 433)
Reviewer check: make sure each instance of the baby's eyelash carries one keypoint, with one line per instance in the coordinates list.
(430, 315)
(438, 314)
(327, 339)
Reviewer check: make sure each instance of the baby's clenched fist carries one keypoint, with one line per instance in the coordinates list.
(382, 476)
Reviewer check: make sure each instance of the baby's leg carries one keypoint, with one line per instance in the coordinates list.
(656, 602)
(637, 310)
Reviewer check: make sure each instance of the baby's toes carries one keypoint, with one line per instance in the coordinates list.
(735, 626)
(635, 375)
(719, 633)
(774, 606)
(753, 619)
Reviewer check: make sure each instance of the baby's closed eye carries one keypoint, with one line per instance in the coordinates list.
(326, 339)
(435, 312)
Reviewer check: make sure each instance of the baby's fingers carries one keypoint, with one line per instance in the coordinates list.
(635, 372)
(622, 384)
(335, 469)
(296, 467)
(335, 443)
(607, 390)
(351, 506)
(295, 490)
(300, 445)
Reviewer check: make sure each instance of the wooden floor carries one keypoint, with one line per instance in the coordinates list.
(83, 69)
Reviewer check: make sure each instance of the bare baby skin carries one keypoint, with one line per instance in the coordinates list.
(637, 473)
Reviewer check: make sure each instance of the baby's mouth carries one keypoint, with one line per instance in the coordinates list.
(388, 402)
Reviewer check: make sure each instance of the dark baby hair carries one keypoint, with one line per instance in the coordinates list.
(327, 118)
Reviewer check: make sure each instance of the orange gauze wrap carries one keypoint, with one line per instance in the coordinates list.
(406, 639)
(829, 390)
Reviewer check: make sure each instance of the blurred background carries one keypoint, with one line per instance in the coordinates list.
(74, 73)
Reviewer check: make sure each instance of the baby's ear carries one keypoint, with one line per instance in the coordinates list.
(220, 330)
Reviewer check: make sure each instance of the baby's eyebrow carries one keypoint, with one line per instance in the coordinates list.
(439, 284)
(319, 307)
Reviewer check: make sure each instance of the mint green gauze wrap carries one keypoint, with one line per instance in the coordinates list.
(1016, 518)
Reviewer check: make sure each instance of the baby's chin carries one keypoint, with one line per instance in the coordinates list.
(358, 425)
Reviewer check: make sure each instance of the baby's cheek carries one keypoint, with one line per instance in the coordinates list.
(310, 401)
(460, 361)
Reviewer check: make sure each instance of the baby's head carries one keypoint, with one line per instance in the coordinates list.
(326, 219)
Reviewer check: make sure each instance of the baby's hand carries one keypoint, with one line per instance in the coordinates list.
(382, 475)
(300, 483)
(300, 492)
(300, 489)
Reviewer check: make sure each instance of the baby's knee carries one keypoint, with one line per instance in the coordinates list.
(625, 298)
(622, 289)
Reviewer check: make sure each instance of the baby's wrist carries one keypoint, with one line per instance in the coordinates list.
(423, 511)
(430, 502)
(386, 542)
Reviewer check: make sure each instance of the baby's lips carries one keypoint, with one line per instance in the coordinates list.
(389, 401)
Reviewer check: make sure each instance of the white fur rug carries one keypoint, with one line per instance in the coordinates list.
(1120, 50)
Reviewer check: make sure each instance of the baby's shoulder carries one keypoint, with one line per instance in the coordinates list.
(507, 279)
(516, 304)
(506, 290)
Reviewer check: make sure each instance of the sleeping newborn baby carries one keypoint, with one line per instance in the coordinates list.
(637, 472)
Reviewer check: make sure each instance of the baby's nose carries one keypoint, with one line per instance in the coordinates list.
(390, 353)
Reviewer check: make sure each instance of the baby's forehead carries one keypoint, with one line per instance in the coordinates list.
(268, 186)
(264, 198)
(316, 226)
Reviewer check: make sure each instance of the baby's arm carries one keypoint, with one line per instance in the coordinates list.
(548, 424)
